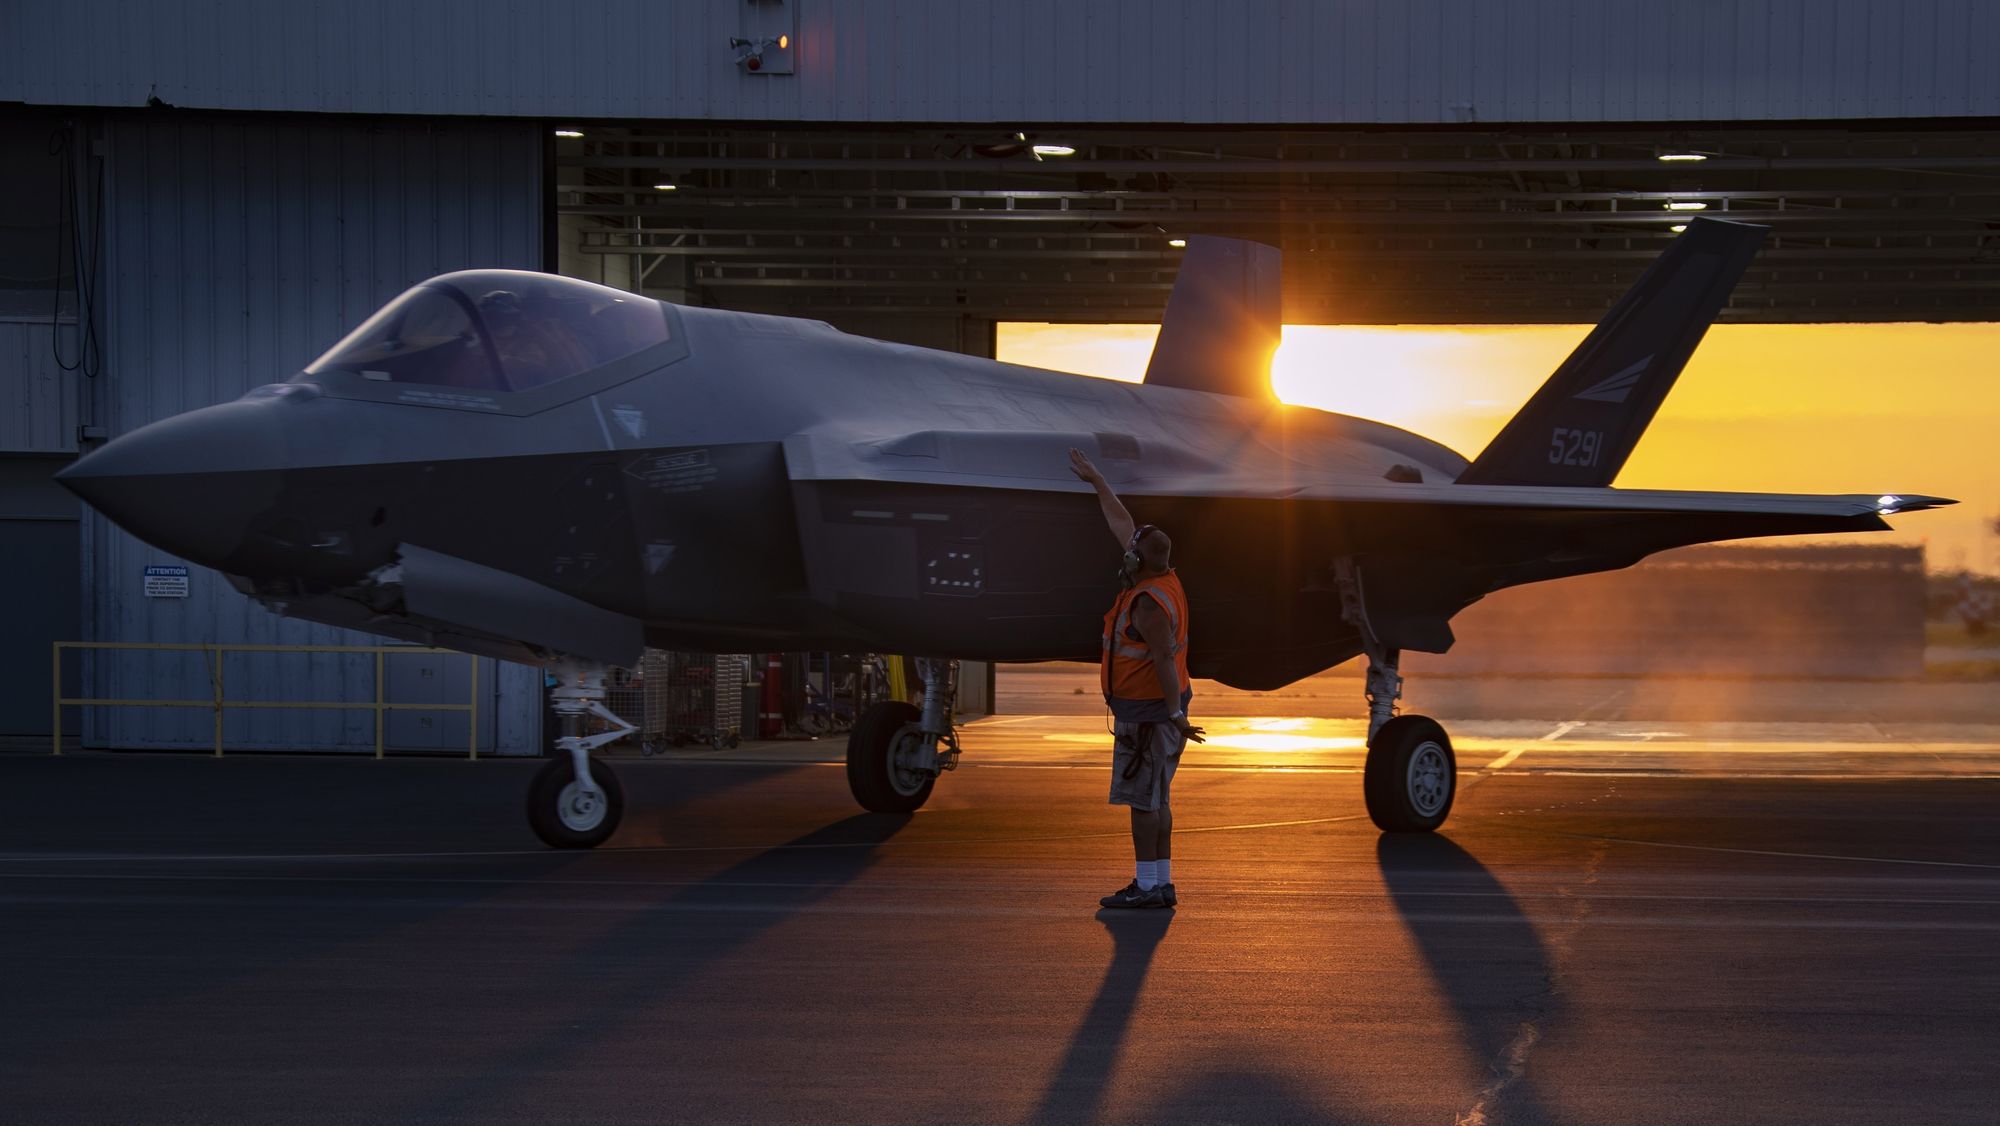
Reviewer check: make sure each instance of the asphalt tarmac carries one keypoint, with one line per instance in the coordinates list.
(1720, 932)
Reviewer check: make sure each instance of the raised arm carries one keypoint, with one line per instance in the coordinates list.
(1114, 511)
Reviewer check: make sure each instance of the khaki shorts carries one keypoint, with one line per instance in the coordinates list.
(1147, 784)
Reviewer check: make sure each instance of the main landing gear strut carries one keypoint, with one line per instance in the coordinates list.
(1411, 775)
(575, 802)
(896, 752)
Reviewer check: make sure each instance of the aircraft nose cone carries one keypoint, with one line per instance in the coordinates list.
(190, 484)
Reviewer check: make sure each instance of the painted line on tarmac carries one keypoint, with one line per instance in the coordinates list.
(1099, 764)
(1248, 826)
(1561, 730)
(1772, 852)
(1760, 775)
(890, 888)
(934, 907)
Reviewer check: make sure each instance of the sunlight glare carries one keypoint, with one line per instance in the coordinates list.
(1761, 408)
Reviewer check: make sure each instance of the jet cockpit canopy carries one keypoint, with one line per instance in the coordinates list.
(497, 330)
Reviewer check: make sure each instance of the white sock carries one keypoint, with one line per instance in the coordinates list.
(1163, 870)
(1147, 880)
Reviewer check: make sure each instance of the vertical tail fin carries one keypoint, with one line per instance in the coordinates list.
(1222, 321)
(1583, 423)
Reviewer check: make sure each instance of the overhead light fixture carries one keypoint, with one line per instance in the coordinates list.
(569, 132)
(1177, 243)
(750, 53)
(1683, 156)
(1001, 150)
(1686, 205)
(1677, 228)
(666, 187)
(1055, 150)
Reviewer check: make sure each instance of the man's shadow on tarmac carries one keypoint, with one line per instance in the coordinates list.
(1484, 954)
(1077, 1091)
(1244, 1092)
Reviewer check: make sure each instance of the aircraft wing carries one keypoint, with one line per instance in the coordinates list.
(1036, 461)
(1258, 538)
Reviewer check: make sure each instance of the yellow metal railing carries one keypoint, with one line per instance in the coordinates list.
(219, 703)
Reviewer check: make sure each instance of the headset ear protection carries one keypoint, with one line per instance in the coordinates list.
(1130, 565)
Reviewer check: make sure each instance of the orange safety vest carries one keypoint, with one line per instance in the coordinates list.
(1126, 670)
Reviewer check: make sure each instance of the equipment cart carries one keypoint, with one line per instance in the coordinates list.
(692, 698)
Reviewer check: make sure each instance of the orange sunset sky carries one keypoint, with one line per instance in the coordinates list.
(1858, 408)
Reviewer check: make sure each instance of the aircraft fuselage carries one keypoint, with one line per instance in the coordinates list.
(678, 487)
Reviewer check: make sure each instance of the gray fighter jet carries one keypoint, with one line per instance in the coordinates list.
(544, 470)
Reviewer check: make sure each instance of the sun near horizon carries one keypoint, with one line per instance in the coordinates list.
(1830, 408)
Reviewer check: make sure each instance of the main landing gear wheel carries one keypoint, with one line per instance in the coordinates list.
(566, 814)
(1411, 775)
(884, 755)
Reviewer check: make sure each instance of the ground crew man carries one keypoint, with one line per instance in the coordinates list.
(1143, 671)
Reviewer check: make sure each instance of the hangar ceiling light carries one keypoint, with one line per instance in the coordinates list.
(1677, 228)
(1055, 150)
(1407, 227)
(1683, 156)
(1686, 205)
(666, 187)
(569, 133)
(1177, 243)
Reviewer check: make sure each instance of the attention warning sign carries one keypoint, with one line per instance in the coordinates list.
(166, 580)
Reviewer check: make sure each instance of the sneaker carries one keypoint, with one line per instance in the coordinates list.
(1167, 893)
(1131, 896)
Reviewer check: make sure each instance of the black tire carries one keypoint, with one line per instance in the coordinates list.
(1411, 777)
(871, 772)
(546, 812)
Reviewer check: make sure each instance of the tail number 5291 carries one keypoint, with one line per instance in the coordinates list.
(1575, 447)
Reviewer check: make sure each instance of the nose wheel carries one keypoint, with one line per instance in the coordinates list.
(575, 801)
(566, 812)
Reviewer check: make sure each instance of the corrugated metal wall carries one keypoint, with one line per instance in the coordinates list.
(37, 397)
(1028, 60)
(234, 253)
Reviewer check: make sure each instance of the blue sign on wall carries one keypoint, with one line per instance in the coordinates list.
(166, 580)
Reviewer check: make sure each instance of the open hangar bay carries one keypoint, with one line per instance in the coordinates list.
(1720, 900)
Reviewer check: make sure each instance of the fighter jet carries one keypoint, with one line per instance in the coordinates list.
(543, 470)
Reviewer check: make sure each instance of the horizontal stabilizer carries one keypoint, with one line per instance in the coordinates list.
(1583, 423)
(1222, 321)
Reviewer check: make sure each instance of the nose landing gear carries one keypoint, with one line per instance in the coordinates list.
(575, 802)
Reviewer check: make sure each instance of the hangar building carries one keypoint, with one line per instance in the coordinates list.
(200, 197)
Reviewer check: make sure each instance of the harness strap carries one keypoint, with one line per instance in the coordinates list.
(1141, 745)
